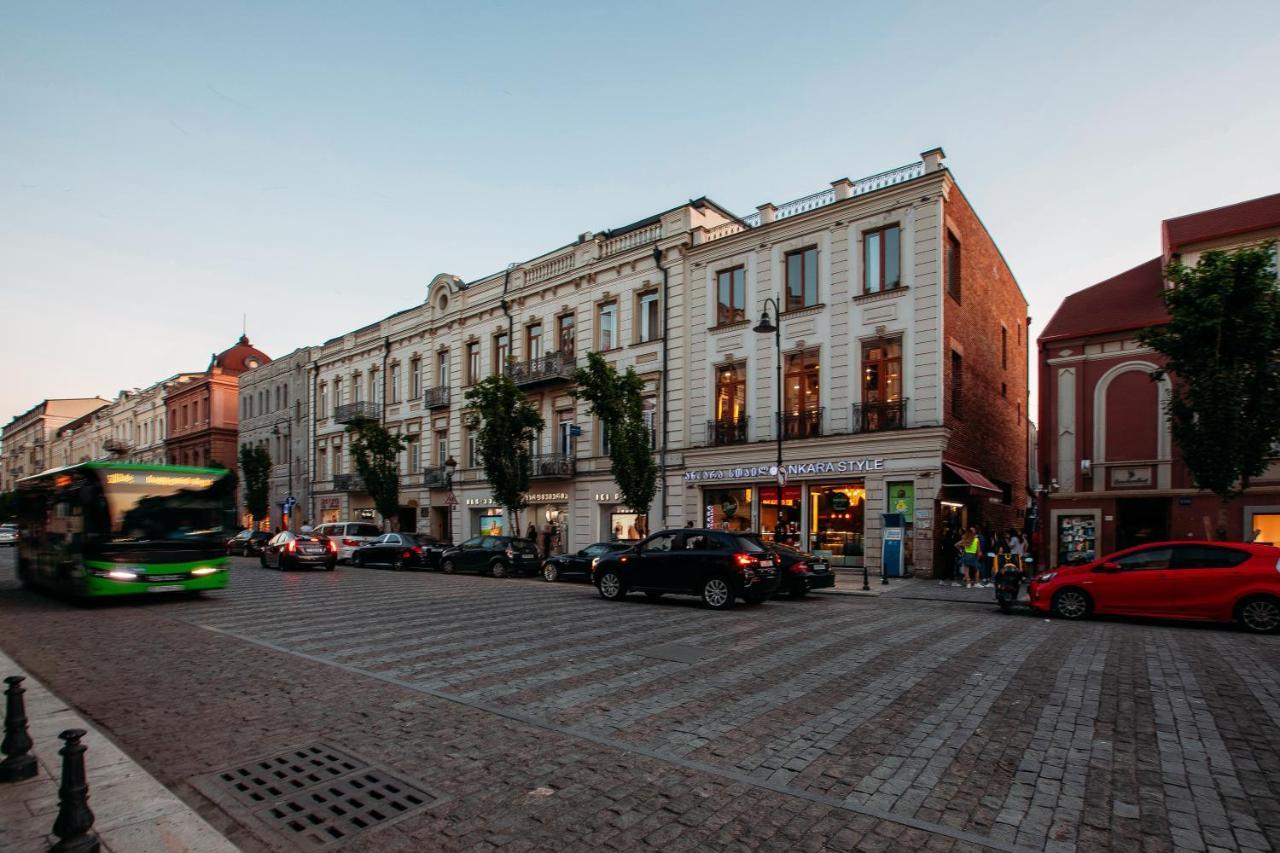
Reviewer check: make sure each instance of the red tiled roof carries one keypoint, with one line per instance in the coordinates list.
(1130, 300)
(1220, 222)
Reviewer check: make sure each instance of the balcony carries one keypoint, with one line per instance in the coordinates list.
(727, 431)
(878, 417)
(348, 412)
(116, 445)
(551, 465)
(348, 483)
(802, 424)
(436, 398)
(552, 367)
(435, 478)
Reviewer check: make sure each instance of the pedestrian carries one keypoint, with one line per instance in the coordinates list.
(1017, 548)
(947, 566)
(970, 553)
(689, 523)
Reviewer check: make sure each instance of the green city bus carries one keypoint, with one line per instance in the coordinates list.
(122, 528)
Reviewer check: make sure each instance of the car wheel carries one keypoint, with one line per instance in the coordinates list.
(549, 572)
(1260, 614)
(611, 588)
(397, 564)
(448, 567)
(357, 560)
(717, 592)
(500, 569)
(1072, 603)
(653, 596)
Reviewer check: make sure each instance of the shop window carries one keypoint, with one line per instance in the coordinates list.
(837, 522)
(1077, 539)
(627, 526)
(780, 521)
(728, 509)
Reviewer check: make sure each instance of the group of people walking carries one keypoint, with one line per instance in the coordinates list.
(972, 555)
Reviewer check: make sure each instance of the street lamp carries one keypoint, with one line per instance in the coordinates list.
(449, 465)
(764, 327)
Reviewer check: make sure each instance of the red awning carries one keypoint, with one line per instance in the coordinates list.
(973, 479)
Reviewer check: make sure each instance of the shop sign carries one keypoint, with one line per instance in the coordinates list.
(486, 501)
(546, 497)
(902, 498)
(330, 503)
(839, 502)
(607, 497)
(791, 469)
(1138, 477)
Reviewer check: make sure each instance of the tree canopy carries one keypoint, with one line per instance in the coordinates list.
(617, 399)
(1222, 354)
(506, 425)
(255, 470)
(376, 452)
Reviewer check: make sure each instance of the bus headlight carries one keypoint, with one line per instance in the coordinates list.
(202, 571)
(122, 575)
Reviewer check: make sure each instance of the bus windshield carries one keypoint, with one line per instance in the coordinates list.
(164, 506)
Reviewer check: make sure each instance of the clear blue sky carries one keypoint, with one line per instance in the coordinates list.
(168, 167)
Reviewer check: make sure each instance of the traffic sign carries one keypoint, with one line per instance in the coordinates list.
(451, 501)
(575, 431)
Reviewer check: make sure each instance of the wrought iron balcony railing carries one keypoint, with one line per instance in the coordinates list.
(727, 431)
(437, 397)
(435, 478)
(348, 412)
(552, 465)
(878, 417)
(552, 367)
(806, 423)
(348, 483)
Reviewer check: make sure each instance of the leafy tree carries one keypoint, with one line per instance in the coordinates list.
(506, 424)
(376, 452)
(618, 401)
(255, 469)
(1222, 352)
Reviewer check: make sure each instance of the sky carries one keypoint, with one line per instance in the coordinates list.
(167, 169)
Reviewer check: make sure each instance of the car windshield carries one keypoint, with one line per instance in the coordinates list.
(364, 530)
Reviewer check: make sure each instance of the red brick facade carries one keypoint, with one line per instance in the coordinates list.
(986, 329)
(204, 415)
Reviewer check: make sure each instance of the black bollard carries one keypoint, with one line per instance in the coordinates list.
(74, 826)
(866, 587)
(18, 763)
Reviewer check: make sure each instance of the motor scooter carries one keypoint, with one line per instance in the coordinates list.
(1008, 584)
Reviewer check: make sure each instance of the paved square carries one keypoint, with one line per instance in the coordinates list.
(830, 723)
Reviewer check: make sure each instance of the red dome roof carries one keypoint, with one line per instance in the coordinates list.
(241, 357)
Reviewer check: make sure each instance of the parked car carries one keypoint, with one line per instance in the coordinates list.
(399, 551)
(500, 556)
(289, 550)
(718, 565)
(1212, 581)
(578, 565)
(247, 543)
(798, 571)
(9, 535)
(348, 535)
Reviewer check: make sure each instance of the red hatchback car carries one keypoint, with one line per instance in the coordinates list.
(1212, 581)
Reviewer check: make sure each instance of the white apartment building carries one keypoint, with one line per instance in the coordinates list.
(27, 439)
(131, 427)
(884, 319)
(275, 406)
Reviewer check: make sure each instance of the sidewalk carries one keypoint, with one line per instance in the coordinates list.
(134, 813)
(849, 582)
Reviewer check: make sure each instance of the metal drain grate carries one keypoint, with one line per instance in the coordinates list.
(316, 796)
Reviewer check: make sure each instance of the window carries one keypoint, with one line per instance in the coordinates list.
(882, 372)
(802, 278)
(731, 296)
(731, 392)
(284, 395)
(602, 430)
(662, 543)
(533, 341)
(278, 406)
(650, 416)
(501, 351)
(608, 317)
(414, 453)
(415, 378)
(1004, 348)
(394, 380)
(375, 390)
(337, 459)
(565, 420)
(957, 383)
(1149, 558)
(564, 334)
(800, 388)
(473, 362)
(442, 368)
(1207, 557)
(953, 266)
(881, 259)
(356, 388)
(442, 446)
(473, 451)
(337, 391)
(647, 309)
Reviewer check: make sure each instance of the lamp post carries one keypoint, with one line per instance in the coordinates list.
(288, 444)
(764, 327)
(449, 465)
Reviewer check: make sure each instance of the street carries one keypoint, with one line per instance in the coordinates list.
(535, 716)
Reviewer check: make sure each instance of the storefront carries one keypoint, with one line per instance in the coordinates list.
(618, 522)
(548, 514)
(330, 510)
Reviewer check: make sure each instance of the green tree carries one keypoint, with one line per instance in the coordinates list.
(376, 452)
(506, 424)
(617, 399)
(255, 469)
(1222, 354)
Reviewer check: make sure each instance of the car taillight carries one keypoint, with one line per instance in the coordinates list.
(292, 546)
(350, 543)
(743, 561)
(405, 555)
(417, 549)
(331, 545)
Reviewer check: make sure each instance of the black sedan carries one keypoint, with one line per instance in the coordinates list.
(798, 570)
(500, 556)
(247, 543)
(563, 566)
(288, 550)
(399, 551)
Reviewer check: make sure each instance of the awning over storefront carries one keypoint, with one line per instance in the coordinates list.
(972, 478)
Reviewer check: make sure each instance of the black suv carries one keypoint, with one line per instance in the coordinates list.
(798, 571)
(718, 565)
(499, 556)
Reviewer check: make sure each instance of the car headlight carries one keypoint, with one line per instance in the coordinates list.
(1046, 577)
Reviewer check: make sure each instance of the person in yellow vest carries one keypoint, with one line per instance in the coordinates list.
(970, 547)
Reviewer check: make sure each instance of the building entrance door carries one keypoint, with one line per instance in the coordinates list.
(1141, 520)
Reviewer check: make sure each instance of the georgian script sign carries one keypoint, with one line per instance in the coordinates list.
(792, 469)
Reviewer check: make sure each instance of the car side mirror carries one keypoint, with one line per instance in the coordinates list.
(1108, 568)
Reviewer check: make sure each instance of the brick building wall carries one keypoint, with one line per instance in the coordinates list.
(989, 432)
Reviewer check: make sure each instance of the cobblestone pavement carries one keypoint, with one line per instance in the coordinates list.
(831, 723)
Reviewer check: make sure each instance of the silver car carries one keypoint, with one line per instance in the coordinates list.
(9, 535)
(348, 535)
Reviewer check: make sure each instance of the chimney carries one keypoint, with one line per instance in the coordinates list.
(933, 159)
(767, 211)
(843, 188)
